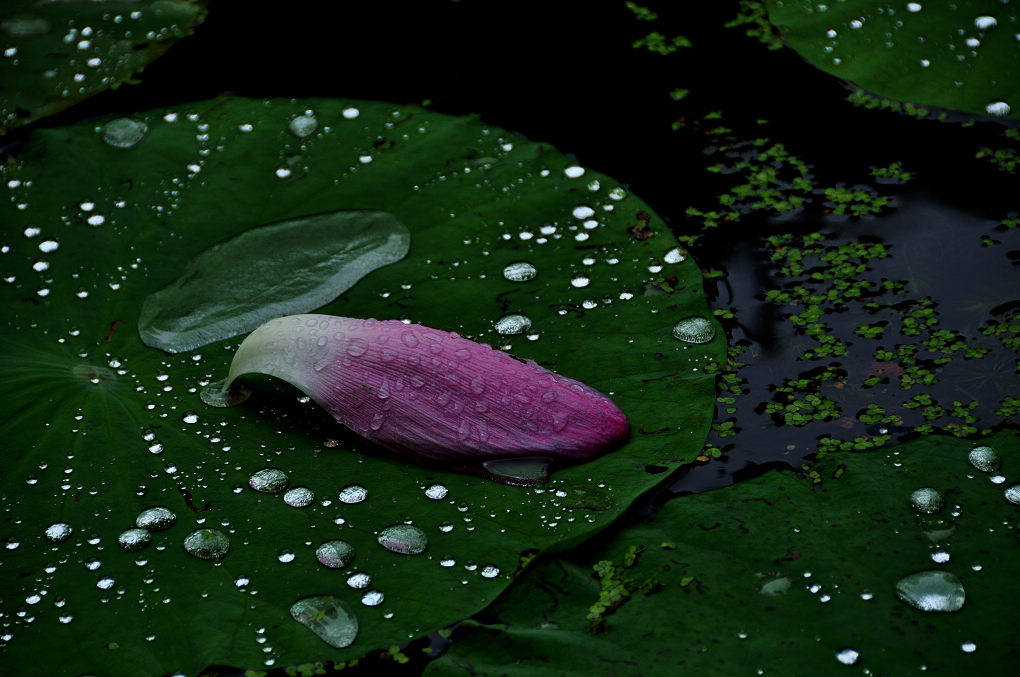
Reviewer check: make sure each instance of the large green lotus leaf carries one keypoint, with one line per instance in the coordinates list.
(58, 53)
(960, 55)
(97, 427)
(779, 576)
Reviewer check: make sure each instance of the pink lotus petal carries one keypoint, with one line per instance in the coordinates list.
(430, 394)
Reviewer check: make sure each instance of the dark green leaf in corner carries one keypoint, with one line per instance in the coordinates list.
(900, 561)
(56, 54)
(958, 55)
(285, 268)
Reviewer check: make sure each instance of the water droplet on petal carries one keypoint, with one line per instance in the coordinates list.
(927, 500)
(135, 539)
(124, 132)
(694, 330)
(269, 481)
(329, 617)
(931, 591)
(405, 539)
(335, 554)
(210, 544)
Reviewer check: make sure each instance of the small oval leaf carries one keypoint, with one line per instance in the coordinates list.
(288, 267)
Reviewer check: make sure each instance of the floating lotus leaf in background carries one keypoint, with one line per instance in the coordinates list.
(779, 575)
(960, 55)
(58, 53)
(103, 427)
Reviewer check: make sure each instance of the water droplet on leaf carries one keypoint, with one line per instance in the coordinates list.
(694, 330)
(211, 544)
(269, 481)
(124, 132)
(335, 554)
(329, 617)
(931, 591)
(405, 539)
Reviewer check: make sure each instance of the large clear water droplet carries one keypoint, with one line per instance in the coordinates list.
(520, 271)
(303, 125)
(135, 539)
(998, 109)
(373, 598)
(694, 330)
(405, 539)
(1012, 494)
(215, 395)
(437, 491)
(335, 554)
(521, 472)
(210, 544)
(329, 617)
(847, 656)
(269, 481)
(515, 323)
(299, 497)
(155, 518)
(359, 580)
(984, 459)
(124, 132)
(353, 493)
(58, 531)
(927, 500)
(931, 591)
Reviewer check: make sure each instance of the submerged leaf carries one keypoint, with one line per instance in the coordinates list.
(288, 267)
(429, 394)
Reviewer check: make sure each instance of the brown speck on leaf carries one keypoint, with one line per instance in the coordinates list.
(640, 230)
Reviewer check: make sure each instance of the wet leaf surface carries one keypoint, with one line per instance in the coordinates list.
(55, 54)
(960, 55)
(233, 287)
(749, 576)
(106, 428)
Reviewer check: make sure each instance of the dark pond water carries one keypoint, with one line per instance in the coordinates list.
(566, 73)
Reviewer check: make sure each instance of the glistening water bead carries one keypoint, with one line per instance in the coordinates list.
(269, 481)
(405, 539)
(155, 518)
(211, 544)
(329, 617)
(58, 531)
(124, 132)
(927, 500)
(694, 330)
(353, 493)
(299, 497)
(513, 324)
(520, 271)
(335, 554)
(984, 459)
(134, 539)
(932, 591)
